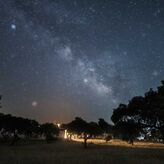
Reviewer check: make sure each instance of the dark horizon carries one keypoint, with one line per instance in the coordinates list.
(59, 60)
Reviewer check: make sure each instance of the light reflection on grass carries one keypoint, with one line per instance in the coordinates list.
(70, 152)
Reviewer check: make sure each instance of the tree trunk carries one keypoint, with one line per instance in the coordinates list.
(85, 140)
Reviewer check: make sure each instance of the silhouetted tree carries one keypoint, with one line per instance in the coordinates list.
(141, 114)
(78, 126)
(49, 130)
(11, 127)
(94, 129)
(105, 127)
(125, 125)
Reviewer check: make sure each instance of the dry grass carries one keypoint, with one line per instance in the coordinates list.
(63, 152)
(116, 142)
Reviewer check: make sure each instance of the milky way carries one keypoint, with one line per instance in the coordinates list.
(61, 59)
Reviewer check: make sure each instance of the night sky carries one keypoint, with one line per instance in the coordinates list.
(65, 58)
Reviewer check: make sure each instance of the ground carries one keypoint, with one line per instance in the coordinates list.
(65, 152)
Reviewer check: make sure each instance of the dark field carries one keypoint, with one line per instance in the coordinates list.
(73, 152)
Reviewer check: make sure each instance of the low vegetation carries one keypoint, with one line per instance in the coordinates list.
(72, 152)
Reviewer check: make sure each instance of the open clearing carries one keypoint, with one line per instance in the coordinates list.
(65, 152)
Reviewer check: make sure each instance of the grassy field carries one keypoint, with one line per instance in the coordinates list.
(66, 152)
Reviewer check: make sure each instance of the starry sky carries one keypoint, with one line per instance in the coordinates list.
(61, 59)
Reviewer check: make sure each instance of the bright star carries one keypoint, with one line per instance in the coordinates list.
(13, 27)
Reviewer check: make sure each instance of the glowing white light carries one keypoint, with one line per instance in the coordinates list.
(59, 125)
(34, 103)
(13, 27)
(65, 134)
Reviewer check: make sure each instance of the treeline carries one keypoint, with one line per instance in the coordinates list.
(11, 128)
(87, 130)
(142, 117)
(92, 129)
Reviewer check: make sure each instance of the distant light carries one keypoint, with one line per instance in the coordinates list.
(59, 125)
(65, 134)
(13, 27)
(34, 103)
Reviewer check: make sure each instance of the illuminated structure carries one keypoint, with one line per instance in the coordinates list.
(65, 134)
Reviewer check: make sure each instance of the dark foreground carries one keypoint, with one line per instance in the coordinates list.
(72, 152)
